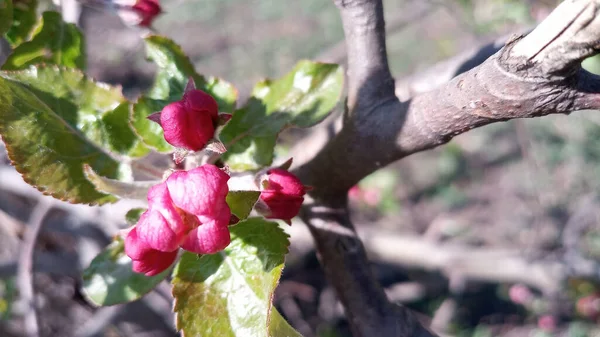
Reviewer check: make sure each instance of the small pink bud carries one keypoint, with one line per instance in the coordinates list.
(520, 294)
(145, 259)
(547, 323)
(589, 306)
(185, 128)
(148, 10)
(354, 193)
(283, 194)
(138, 12)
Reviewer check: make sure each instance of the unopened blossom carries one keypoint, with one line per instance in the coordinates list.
(186, 211)
(138, 12)
(202, 192)
(145, 259)
(283, 194)
(190, 123)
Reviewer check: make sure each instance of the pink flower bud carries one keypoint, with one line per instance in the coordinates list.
(283, 193)
(520, 294)
(202, 192)
(148, 10)
(547, 323)
(202, 103)
(189, 210)
(183, 128)
(145, 259)
(138, 12)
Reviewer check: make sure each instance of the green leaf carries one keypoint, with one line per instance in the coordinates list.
(53, 42)
(110, 280)
(230, 293)
(6, 15)
(133, 190)
(23, 20)
(174, 71)
(98, 110)
(302, 98)
(133, 215)
(47, 150)
(279, 327)
(242, 202)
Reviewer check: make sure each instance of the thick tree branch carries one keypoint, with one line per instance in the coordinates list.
(516, 82)
(368, 72)
(347, 268)
(532, 76)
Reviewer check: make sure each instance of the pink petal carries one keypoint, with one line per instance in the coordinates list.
(285, 182)
(199, 101)
(134, 248)
(154, 263)
(200, 191)
(209, 238)
(145, 259)
(157, 234)
(160, 200)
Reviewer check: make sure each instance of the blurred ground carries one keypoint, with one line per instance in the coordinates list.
(529, 186)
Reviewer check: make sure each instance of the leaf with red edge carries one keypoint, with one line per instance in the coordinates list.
(48, 149)
(230, 293)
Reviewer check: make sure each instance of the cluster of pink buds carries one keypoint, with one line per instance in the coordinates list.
(186, 211)
(189, 209)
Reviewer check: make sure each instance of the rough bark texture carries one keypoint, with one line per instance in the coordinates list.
(531, 76)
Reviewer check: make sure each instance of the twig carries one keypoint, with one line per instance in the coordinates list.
(25, 270)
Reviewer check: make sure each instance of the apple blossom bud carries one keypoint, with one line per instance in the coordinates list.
(138, 12)
(185, 128)
(283, 194)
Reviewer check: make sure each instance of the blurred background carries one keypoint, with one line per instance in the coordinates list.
(495, 234)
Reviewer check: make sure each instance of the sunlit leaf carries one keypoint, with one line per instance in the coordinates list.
(302, 98)
(110, 280)
(53, 42)
(230, 293)
(242, 202)
(97, 110)
(47, 150)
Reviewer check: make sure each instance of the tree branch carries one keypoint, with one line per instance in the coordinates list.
(532, 76)
(347, 268)
(368, 73)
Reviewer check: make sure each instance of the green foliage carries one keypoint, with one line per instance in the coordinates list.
(97, 110)
(47, 147)
(302, 98)
(6, 14)
(23, 20)
(229, 293)
(242, 202)
(133, 215)
(53, 42)
(174, 71)
(125, 190)
(110, 280)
